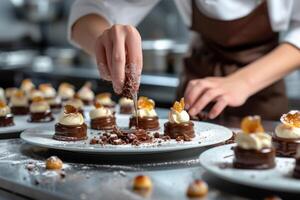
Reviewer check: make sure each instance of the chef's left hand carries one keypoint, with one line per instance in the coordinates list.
(224, 91)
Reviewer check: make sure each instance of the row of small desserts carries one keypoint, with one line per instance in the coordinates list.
(257, 150)
(65, 92)
(71, 125)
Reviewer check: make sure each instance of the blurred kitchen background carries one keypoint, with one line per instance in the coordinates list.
(33, 44)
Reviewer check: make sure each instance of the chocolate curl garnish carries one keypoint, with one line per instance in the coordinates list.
(132, 81)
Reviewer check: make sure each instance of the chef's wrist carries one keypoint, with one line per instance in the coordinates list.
(245, 82)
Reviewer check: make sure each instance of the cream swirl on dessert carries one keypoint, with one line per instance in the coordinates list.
(47, 90)
(39, 107)
(254, 141)
(66, 91)
(71, 119)
(178, 117)
(104, 99)
(18, 99)
(4, 109)
(34, 93)
(77, 103)
(99, 112)
(85, 93)
(54, 101)
(27, 85)
(125, 101)
(290, 125)
(143, 112)
(9, 92)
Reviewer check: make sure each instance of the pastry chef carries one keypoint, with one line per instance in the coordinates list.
(240, 54)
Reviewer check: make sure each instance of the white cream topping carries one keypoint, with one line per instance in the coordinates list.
(86, 93)
(100, 112)
(37, 107)
(35, 93)
(49, 92)
(54, 101)
(77, 103)
(9, 92)
(255, 141)
(286, 131)
(125, 101)
(66, 92)
(4, 111)
(178, 117)
(18, 101)
(145, 113)
(71, 119)
(105, 101)
(27, 86)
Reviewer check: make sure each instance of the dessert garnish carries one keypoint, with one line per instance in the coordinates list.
(252, 124)
(291, 119)
(103, 95)
(197, 189)
(54, 163)
(142, 185)
(2, 104)
(179, 106)
(68, 109)
(145, 103)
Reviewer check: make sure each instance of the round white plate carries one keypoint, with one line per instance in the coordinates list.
(218, 161)
(206, 134)
(21, 124)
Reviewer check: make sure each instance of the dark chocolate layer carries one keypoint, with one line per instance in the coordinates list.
(285, 147)
(20, 110)
(184, 129)
(296, 172)
(126, 109)
(70, 133)
(254, 159)
(146, 123)
(41, 117)
(103, 123)
(87, 102)
(7, 120)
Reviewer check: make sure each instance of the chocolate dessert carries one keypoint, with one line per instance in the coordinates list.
(6, 118)
(105, 100)
(27, 86)
(40, 111)
(86, 94)
(19, 103)
(66, 91)
(254, 147)
(296, 172)
(71, 126)
(33, 94)
(102, 118)
(126, 105)
(77, 103)
(286, 138)
(179, 124)
(146, 117)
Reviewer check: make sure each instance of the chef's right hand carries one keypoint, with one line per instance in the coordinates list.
(116, 47)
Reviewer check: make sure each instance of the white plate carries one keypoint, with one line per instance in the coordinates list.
(279, 178)
(206, 134)
(21, 124)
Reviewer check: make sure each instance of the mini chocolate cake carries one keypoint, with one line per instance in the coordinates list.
(103, 123)
(20, 110)
(285, 147)
(7, 120)
(174, 130)
(70, 133)
(55, 107)
(41, 117)
(146, 123)
(254, 159)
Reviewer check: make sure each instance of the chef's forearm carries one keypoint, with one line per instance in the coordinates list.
(270, 68)
(87, 29)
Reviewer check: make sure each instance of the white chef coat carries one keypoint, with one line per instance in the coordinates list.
(284, 14)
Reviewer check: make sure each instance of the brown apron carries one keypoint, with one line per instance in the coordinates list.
(229, 45)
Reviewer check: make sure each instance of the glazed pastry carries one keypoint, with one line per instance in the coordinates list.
(105, 100)
(77, 103)
(254, 147)
(197, 189)
(126, 105)
(102, 118)
(146, 116)
(49, 94)
(6, 118)
(27, 86)
(53, 163)
(33, 94)
(39, 110)
(66, 91)
(287, 134)
(19, 103)
(9, 92)
(71, 126)
(86, 94)
(179, 124)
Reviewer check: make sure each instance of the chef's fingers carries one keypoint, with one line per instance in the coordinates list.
(101, 61)
(118, 58)
(194, 89)
(217, 108)
(202, 101)
(107, 43)
(134, 54)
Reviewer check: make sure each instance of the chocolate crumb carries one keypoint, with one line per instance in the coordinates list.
(156, 135)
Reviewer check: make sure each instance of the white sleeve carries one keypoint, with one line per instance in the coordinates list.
(114, 11)
(292, 33)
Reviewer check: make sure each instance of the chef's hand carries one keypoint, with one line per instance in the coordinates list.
(224, 91)
(116, 47)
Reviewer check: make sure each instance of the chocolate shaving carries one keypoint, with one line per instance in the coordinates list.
(130, 84)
